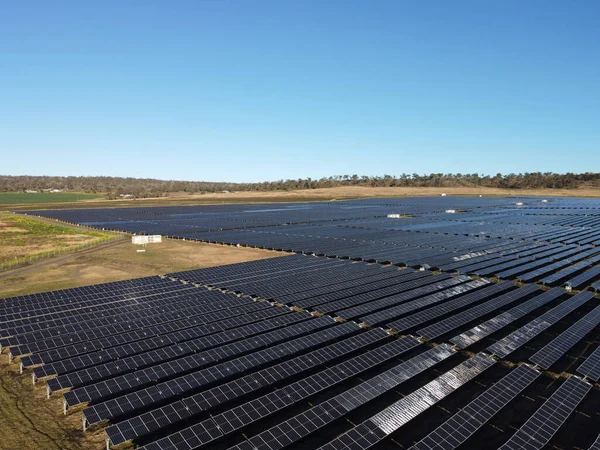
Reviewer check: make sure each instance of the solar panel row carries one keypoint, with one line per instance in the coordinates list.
(501, 320)
(387, 421)
(524, 334)
(324, 413)
(148, 422)
(539, 428)
(462, 425)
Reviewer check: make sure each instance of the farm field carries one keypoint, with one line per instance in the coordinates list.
(386, 322)
(20, 198)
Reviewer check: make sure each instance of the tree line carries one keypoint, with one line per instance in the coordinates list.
(116, 187)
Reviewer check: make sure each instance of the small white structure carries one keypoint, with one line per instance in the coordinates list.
(443, 195)
(145, 240)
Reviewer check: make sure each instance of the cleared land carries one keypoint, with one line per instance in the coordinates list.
(20, 198)
(23, 238)
(306, 195)
(121, 261)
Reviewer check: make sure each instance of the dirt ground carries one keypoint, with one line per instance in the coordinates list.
(121, 261)
(29, 421)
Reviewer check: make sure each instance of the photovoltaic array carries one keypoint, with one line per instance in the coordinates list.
(451, 321)
(553, 243)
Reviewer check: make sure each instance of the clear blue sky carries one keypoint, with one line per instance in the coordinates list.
(251, 90)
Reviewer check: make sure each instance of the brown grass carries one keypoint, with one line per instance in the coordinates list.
(366, 192)
(305, 195)
(29, 421)
(121, 261)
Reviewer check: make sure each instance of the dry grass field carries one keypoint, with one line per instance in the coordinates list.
(350, 192)
(120, 261)
(305, 195)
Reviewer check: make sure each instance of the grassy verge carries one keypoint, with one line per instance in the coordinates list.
(24, 240)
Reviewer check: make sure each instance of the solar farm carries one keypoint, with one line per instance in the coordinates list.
(409, 323)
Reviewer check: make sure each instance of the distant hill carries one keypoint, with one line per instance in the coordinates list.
(116, 187)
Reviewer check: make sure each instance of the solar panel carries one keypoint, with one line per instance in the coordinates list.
(590, 368)
(224, 371)
(409, 306)
(551, 352)
(204, 401)
(183, 356)
(310, 298)
(441, 282)
(496, 323)
(392, 418)
(196, 361)
(444, 326)
(462, 425)
(162, 323)
(444, 308)
(341, 300)
(524, 334)
(596, 444)
(544, 262)
(545, 422)
(158, 350)
(188, 339)
(249, 412)
(567, 273)
(324, 413)
(586, 278)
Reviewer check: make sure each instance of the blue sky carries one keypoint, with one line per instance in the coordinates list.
(252, 90)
